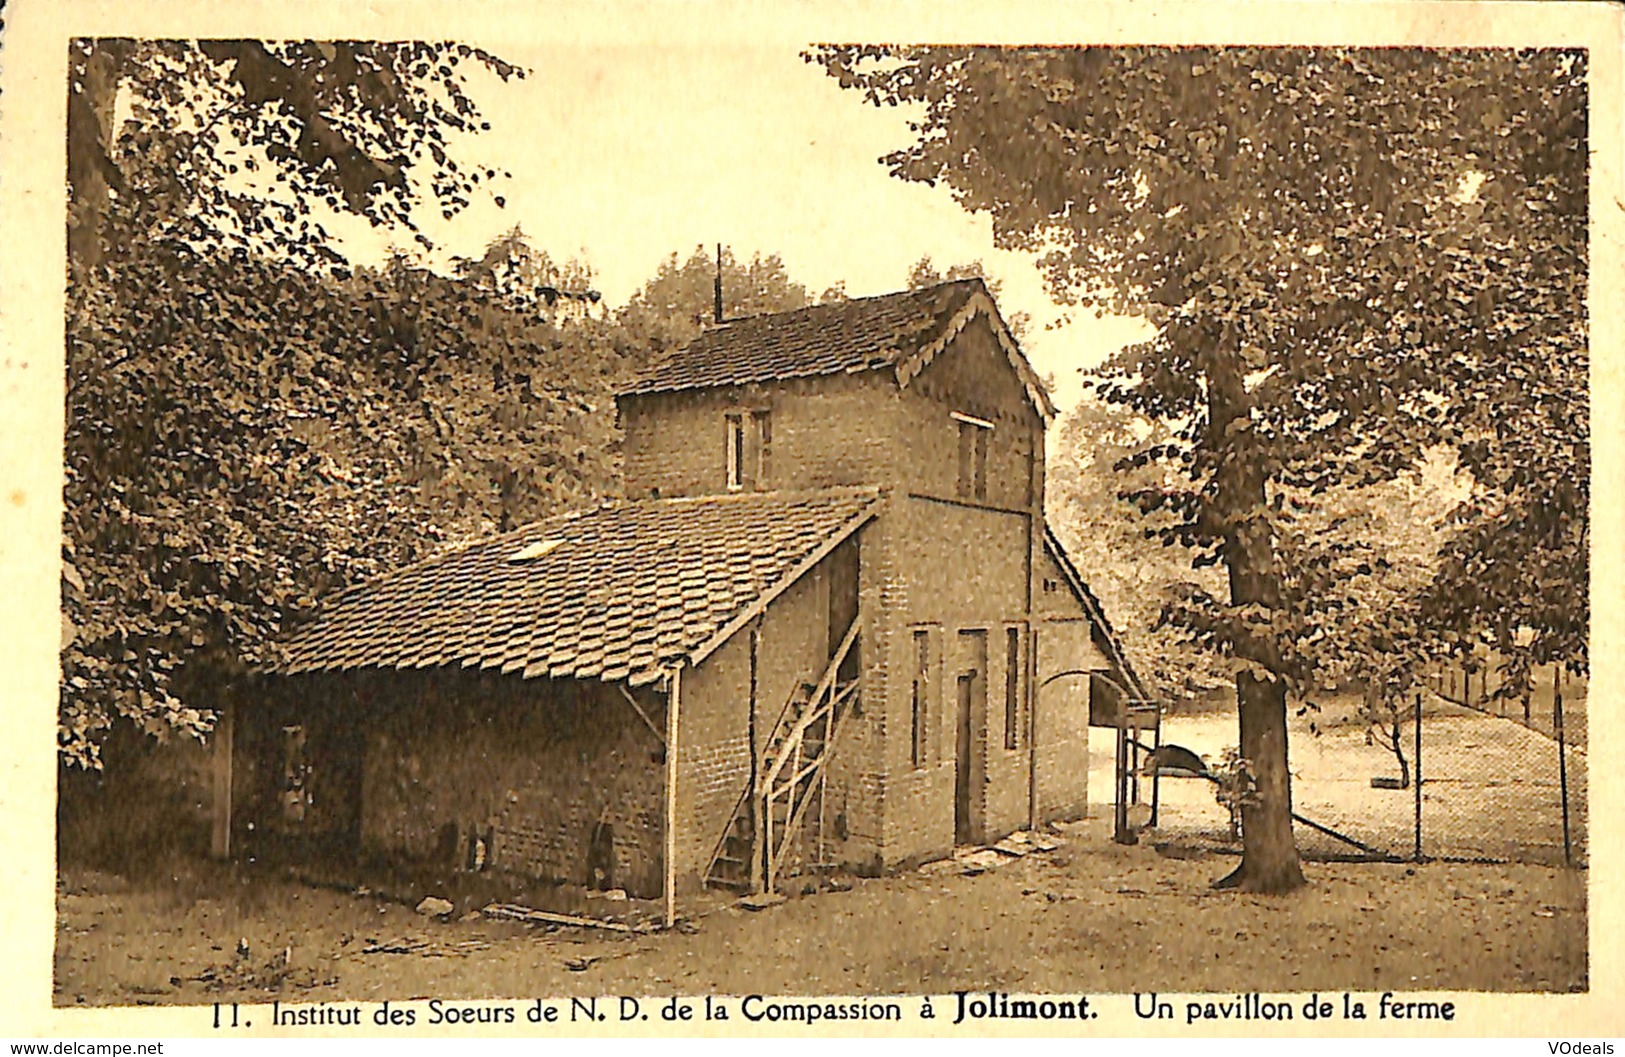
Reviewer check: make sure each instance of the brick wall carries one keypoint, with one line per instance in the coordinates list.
(973, 377)
(540, 763)
(825, 432)
(714, 757)
(1065, 643)
(944, 562)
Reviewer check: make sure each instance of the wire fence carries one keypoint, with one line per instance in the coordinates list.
(1457, 775)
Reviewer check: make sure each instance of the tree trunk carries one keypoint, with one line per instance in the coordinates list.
(90, 136)
(1399, 753)
(1269, 860)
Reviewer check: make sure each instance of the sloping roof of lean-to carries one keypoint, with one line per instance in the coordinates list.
(620, 592)
(1108, 637)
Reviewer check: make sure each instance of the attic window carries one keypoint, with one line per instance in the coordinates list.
(530, 552)
(973, 434)
(750, 435)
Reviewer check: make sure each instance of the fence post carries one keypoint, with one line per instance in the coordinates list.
(1120, 832)
(1562, 759)
(1416, 777)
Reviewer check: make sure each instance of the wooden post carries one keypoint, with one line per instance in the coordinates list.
(674, 696)
(220, 837)
(1120, 832)
(757, 872)
(1156, 773)
(1562, 759)
(1029, 660)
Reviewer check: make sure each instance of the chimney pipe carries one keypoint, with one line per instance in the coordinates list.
(719, 284)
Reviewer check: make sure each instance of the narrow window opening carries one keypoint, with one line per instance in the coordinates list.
(762, 427)
(750, 438)
(973, 434)
(736, 452)
(979, 466)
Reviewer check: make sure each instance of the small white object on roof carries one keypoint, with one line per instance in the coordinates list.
(970, 420)
(530, 552)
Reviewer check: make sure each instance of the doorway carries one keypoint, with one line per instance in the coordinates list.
(970, 732)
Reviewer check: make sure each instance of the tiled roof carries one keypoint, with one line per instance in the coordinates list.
(615, 593)
(856, 335)
(864, 333)
(1107, 636)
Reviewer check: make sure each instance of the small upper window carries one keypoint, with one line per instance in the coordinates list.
(749, 438)
(736, 452)
(973, 434)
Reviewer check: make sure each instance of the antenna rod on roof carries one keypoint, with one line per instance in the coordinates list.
(719, 284)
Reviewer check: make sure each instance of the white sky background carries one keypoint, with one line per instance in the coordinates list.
(623, 154)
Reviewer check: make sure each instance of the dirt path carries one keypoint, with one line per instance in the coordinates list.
(1091, 917)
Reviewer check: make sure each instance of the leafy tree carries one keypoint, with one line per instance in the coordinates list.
(1135, 575)
(924, 273)
(1333, 297)
(245, 431)
(257, 138)
(288, 434)
(680, 299)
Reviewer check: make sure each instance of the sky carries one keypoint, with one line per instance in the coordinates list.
(623, 154)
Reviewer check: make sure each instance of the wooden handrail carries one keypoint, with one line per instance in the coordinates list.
(824, 685)
(824, 703)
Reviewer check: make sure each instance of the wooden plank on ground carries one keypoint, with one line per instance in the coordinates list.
(515, 912)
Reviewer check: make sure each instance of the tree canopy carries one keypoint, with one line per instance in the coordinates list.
(252, 419)
(245, 431)
(244, 143)
(680, 298)
(1352, 256)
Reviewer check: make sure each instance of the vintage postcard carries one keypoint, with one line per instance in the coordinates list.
(859, 520)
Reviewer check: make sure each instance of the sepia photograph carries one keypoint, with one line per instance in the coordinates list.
(857, 526)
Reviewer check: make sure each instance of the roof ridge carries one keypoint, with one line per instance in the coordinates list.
(830, 492)
(909, 292)
(834, 337)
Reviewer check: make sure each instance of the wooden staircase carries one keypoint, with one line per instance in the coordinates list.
(788, 792)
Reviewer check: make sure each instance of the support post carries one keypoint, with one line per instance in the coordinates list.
(757, 870)
(1156, 771)
(1120, 832)
(224, 733)
(1562, 759)
(673, 700)
(1416, 778)
(1029, 661)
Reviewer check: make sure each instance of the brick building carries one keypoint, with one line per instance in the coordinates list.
(828, 626)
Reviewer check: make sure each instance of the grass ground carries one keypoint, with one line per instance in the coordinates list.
(1091, 917)
(1491, 786)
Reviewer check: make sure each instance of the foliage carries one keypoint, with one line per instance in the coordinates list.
(1137, 578)
(1235, 786)
(245, 431)
(1336, 295)
(925, 273)
(679, 300)
(244, 436)
(240, 143)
